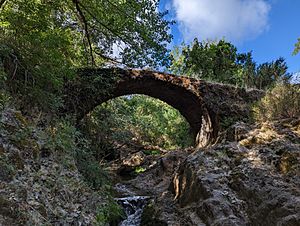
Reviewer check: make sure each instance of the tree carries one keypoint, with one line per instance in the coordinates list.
(247, 71)
(220, 62)
(99, 25)
(206, 60)
(269, 73)
(48, 39)
(178, 60)
(136, 26)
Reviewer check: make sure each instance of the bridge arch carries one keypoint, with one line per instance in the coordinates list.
(201, 103)
(178, 92)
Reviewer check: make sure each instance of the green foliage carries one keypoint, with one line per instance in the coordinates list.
(178, 60)
(90, 168)
(227, 122)
(110, 214)
(43, 42)
(7, 171)
(139, 169)
(4, 99)
(67, 144)
(4, 95)
(138, 119)
(151, 152)
(297, 47)
(220, 62)
(267, 74)
(61, 138)
(210, 60)
(41, 49)
(4, 52)
(282, 101)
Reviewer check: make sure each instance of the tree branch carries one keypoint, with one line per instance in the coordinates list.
(106, 27)
(110, 59)
(85, 27)
(114, 32)
(2, 3)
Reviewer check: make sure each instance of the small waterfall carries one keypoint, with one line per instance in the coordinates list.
(133, 208)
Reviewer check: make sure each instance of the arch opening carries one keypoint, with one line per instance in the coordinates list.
(186, 102)
(140, 121)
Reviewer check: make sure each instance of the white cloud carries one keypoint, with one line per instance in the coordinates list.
(296, 78)
(236, 20)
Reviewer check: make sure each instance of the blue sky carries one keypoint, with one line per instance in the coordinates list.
(268, 28)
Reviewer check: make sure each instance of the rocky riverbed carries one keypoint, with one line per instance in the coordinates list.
(251, 177)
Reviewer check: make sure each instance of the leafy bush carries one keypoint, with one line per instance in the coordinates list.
(62, 137)
(91, 170)
(283, 101)
(110, 214)
(227, 122)
(7, 171)
(68, 143)
(4, 99)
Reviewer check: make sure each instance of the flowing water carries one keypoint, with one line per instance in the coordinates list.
(133, 208)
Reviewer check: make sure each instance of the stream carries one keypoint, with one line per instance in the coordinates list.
(132, 205)
(133, 208)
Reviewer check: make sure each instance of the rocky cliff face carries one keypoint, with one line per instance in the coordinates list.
(37, 188)
(252, 177)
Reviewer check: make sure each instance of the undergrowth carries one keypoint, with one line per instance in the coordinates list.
(110, 213)
(62, 143)
(282, 101)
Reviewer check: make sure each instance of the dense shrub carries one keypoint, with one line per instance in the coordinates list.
(282, 101)
(111, 214)
(67, 144)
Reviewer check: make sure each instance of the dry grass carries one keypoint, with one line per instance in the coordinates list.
(283, 101)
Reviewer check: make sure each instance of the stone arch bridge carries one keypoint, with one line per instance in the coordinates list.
(203, 104)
